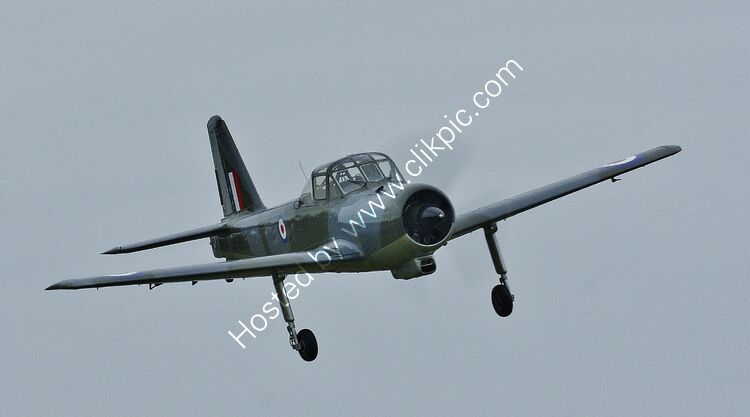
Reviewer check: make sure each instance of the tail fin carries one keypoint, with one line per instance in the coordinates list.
(236, 189)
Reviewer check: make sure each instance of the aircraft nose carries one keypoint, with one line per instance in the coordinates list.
(427, 216)
(432, 216)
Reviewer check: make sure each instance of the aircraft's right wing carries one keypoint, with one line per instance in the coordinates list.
(288, 263)
(485, 216)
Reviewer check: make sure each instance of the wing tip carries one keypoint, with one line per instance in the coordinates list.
(62, 285)
(113, 251)
(213, 122)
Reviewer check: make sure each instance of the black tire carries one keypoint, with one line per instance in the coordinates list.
(308, 345)
(502, 300)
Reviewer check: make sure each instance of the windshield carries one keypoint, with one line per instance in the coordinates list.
(349, 179)
(372, 172)
(389, 170)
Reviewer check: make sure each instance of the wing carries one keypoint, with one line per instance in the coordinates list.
(244, 268)
(180, 237)
(481, 217)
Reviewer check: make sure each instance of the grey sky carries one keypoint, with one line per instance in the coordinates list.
(631, 299)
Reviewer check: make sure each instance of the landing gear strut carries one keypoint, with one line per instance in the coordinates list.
(502, 299)
(303, 342)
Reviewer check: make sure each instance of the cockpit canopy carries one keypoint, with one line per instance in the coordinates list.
(349, 174)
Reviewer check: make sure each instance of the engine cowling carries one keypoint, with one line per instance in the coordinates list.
(421, 221)
(427, 217)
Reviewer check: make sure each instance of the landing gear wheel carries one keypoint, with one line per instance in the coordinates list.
(502, 300)
(308, 349)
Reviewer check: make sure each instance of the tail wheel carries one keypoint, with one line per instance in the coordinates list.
(502, 300)
(308, 349)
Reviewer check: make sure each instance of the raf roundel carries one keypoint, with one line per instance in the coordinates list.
(282, 229)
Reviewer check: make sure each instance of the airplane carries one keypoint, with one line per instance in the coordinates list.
(324, 230)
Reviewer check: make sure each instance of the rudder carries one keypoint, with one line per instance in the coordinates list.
(236, 189)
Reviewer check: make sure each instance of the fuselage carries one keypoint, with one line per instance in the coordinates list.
(371, 219)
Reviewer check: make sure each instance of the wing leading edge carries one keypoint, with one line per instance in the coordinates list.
(244, 268)
(485, 216)
(186, 236)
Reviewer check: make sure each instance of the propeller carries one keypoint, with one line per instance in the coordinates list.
(427, 217)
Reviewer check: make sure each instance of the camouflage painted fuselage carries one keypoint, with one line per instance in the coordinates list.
(370, 220)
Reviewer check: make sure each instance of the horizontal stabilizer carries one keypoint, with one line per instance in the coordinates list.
(199, 233)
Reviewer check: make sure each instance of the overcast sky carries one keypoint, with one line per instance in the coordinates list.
(631, 299)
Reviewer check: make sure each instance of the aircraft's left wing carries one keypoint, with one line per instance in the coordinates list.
(288, 263)
(186, 236)
(485, 216)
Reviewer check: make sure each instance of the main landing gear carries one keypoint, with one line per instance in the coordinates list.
(303, 341)
(502, 299)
